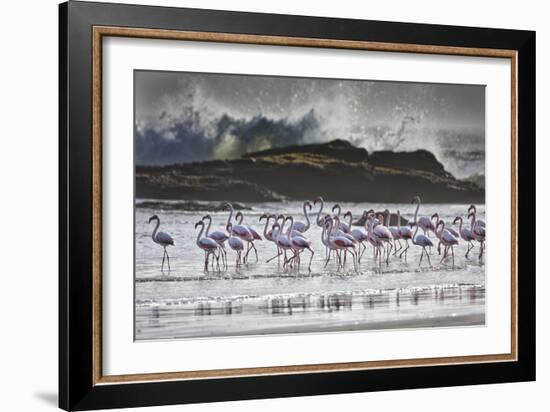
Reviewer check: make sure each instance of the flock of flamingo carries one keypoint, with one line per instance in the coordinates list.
(339, 238)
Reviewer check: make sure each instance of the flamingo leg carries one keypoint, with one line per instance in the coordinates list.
(167, 258)
(404, 251)
(471, 246)
(278, 255)
(255, 250)
(163, 257)
(311, 258)
(428, 256)
(421, 256)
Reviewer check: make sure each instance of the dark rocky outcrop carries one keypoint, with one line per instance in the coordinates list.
(188, 206)
(336, 170)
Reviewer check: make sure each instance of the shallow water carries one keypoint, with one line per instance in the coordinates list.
(262, 298)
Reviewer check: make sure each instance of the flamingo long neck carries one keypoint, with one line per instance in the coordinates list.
(369, 225)
(388, 218)
(323, 234)
(473, 221)
(398, 220)
(154, 235)
(350, 219)
(266, 225)
(240, 219)
(319, 220)
(436, 216)
(439, 232)
(289, 228)
(307, 218)
(230, 214)
(329, 230)
(336, 222)
(200, 234)
(281, 228)
(460, 225)
(339, 209)
(416, 212)
(208, 227)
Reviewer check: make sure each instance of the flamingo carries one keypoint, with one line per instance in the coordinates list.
(283, 241)
(341, 225)
(239, 218)
(423, 222)
(447, 238)
(405, 233)
(342, 233)
(163, 239)
(299, 244)
(271, 235)
(478, 233)
(301, 226)
(325, 241)
(239, 230)
(374, 240)
(235, 243)
(219, 237)
(210, 246)
(450, 229)
(360, 235)
(383, 233)
(423, 241)
(465, 234)
(473, 208)
(339, 242)
(396, 234)
(320, 222)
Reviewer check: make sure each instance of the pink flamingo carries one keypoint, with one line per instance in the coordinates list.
(374, 240)
(360, 235)
(465, 234)
(320, 222)
(396, 234)
(299, 244)
(283, 241)
(405, 233)
(301, 226)
(447, 238)
(240, 230)
(423, 222)
(423, 241)
(383, 233)
(239, 218)
(210, 246)
(480, 223)
(271, 235)
(235, 243)
(339, 242)
(341, 225)
(324, 240)
(478, 232)
(449, 229)
(163, 239)
(219, 237)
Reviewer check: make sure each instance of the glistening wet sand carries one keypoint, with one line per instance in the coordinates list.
(462, 305)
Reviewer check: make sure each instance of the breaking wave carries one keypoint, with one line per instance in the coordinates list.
(194, 125)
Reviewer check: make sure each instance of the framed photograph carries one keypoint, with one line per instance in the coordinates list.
(257, 205)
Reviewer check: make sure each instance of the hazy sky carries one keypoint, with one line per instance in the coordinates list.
(182, 117)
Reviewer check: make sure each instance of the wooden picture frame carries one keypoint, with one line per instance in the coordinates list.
(82, 385)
